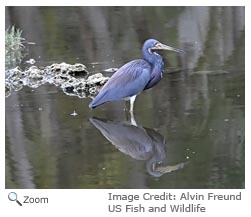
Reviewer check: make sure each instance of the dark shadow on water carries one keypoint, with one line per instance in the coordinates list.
(138, 142)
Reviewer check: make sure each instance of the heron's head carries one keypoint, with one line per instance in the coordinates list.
(152, 45)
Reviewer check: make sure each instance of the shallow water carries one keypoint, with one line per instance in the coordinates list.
(189, 130)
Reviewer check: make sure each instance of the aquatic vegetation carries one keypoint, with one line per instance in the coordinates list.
(13, 47)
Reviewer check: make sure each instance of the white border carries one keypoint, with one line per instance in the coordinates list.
(94, 202)
(124, 3)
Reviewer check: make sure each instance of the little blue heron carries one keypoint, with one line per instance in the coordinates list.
(135, 76)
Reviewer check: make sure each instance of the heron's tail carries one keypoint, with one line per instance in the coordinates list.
(98, 100)
(93, 104)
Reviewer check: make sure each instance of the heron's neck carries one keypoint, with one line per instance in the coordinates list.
(157, 66)
(154, 59)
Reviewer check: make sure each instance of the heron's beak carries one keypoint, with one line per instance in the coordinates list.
(160, 46)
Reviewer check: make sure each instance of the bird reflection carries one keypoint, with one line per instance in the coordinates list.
(138, 142)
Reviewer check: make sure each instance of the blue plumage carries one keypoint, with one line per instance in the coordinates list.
(128, 81)
(135, 76)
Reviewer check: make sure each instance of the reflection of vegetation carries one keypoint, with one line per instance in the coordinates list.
(238, 55)
(212, 54)
(13, 46)
(9, 172)
(222, 47)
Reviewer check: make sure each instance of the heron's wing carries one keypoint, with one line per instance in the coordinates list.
(128, 81)
(156, 76)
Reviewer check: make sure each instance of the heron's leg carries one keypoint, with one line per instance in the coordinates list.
(132, 99)
(125, 108)
(133, 122)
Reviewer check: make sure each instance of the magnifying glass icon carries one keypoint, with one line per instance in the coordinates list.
(13, 197)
